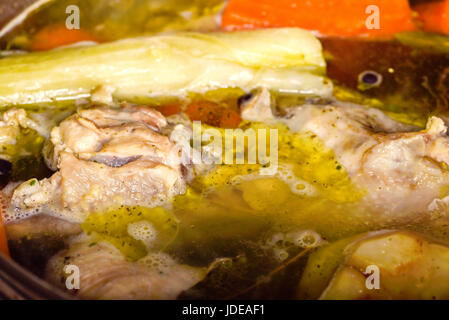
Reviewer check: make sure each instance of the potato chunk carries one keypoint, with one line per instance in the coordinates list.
(410, 267)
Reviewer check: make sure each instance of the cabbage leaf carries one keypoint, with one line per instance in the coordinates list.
(284, 60)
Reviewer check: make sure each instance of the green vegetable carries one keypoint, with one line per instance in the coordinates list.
(321, 267)
(285, 60)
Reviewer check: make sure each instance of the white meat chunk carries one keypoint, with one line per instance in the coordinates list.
(402, 169)
(106, 274)
(106, 157)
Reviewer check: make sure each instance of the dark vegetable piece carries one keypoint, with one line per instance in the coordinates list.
(5, 172)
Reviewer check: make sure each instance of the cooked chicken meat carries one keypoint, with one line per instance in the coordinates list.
(105, 157)
(13, 124)
(106, 274)
(41, 225)
(401, 169)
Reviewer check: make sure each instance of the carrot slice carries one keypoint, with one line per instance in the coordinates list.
(58, 35)
(434, 16)
(213, 114)
(327, 17)
(230, 119)
(170, 109)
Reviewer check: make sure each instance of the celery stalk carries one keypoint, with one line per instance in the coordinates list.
(286, 60)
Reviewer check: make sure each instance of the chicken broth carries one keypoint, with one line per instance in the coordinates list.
(248, 240)
(247, 226)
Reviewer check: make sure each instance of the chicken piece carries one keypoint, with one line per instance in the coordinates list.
(12, 121)
(106, 274)
(402, 169)
(13, 124)
(113, 134)
(409, 267)
(41, 225)
(35, 225)
(106, 157)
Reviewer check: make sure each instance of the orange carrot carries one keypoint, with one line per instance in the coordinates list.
(434, 16)
(170, 109)
(230, 119)
(56, 36)
(213, 114)
(327, 17)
